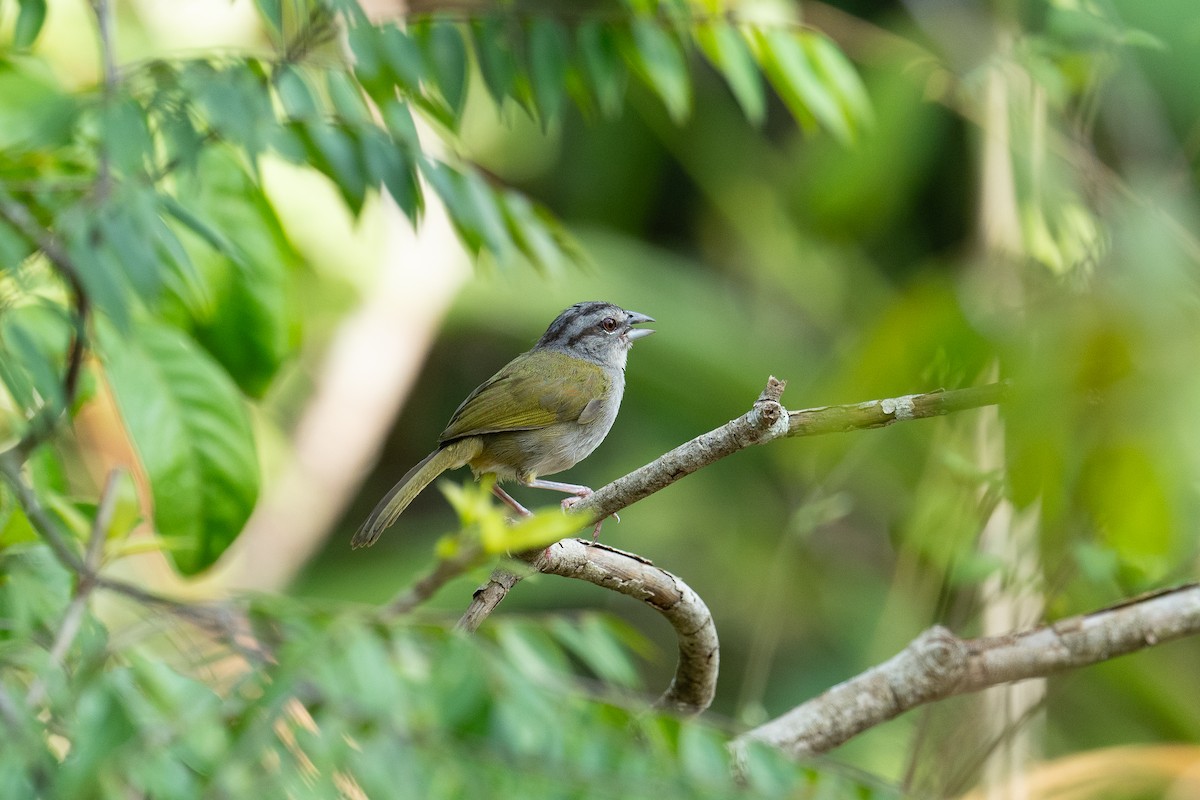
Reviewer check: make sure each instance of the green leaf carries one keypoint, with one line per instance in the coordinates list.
(725, 48)
(30, 18)
(192, 434)
(397, 118)
(33, 343)
(403, 58)
(348, 103)
(272, 12)
(785, 61)
(334, 151)
(603, 70)
(294, 94)
(472, 207)
(390, 163)
(657, 58)
(14, 247)
(446, 53)
(35, 112)
(840, 76)
(240, 311)
(548, 65)
(497, 53)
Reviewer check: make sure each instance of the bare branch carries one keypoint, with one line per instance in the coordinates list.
(765, 421)
(937, 665)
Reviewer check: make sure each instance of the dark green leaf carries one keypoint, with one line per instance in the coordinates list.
(30, 18)
(472, 207)
(657, 58)
(787, 66)
(399, 123)
(446, 53)
(390, 163)
(548, 64)
(192, 435)
(725, 48)
(334, 152)
(497, 52)
(602, 66)
(369, 65)
(402, 55)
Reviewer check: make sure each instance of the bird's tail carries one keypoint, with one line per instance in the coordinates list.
(453, 455)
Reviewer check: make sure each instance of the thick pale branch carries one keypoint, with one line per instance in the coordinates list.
(695, 682)
(937, 665)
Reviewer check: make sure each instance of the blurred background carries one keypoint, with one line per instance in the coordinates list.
(1022, 207)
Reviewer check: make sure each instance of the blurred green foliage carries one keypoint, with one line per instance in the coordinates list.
(1008, 191)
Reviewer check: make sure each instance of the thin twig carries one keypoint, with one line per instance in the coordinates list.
(72, 620)
(444, 571)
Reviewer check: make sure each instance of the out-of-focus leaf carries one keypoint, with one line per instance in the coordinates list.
(192, 434)
(397, 118)
(14, 248)
(840, 75)
(386, 161)
(548, 65)
(593, 642)
(30, 18)
(497, 52)
(656, 56)
(472, 206)
(126, 135)
(402, 55)
(704, 756)
(347, 99)
(602, 66)
(35, 112)
(33, 344)
(1128, 501)
(786, 63)
(446, 54)
(240, 312)
(272, 12)
(294, 94)
(724, 46)
(335, 152)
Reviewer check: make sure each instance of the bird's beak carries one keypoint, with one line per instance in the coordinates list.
(637, 319)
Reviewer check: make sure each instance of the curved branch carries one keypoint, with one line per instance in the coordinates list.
(695, 682)
(938, 664)
(766, 420)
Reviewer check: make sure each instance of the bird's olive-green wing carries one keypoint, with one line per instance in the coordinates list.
(534, 390)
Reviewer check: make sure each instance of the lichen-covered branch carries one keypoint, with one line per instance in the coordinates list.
(937, 665)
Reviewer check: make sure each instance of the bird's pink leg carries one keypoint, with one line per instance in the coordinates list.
(575, 489)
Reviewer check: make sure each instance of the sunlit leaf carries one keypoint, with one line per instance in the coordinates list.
(657, 57)
(192, 434)
(786, 63)
(724, 46)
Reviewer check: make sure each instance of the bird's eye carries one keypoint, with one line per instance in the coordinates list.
(609, 324)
